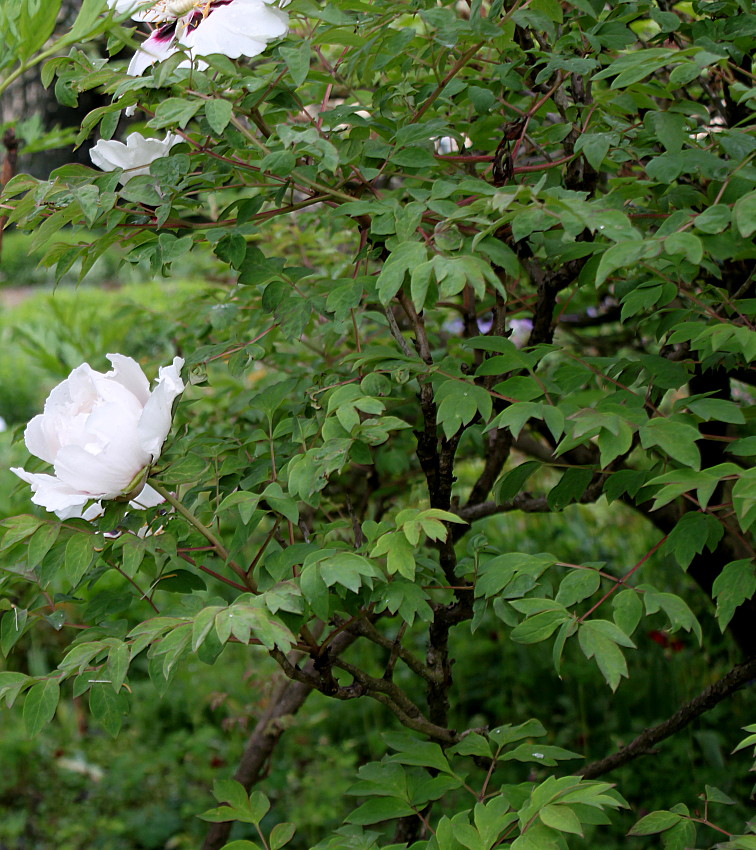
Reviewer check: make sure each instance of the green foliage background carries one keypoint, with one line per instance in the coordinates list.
(339, 247)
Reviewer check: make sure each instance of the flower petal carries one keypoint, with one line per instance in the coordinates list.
(128, 373)
(148, 498)
(134, 158)
(159, 46)
(241, 28)
(155, 423)
(41, 439)
(101, 476)
(53, 494)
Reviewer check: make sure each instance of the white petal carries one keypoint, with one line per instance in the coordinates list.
(155, 423)
(128, 372)
(154, 49)
(148, 498)
(242, 28)
(52, 494)
(134, 157)
(102, 476)
(41, 439)
(108, 155)
(94, 511)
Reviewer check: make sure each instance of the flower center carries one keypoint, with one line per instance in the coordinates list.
(170, 10)
(178, 8)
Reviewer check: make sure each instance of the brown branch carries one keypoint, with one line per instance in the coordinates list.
(521, 502)
(366, 629)
(456, 68)
(497, 451)
(397, 333)
(706, 700)
(289, 697)
(394, 698)
(418, 323)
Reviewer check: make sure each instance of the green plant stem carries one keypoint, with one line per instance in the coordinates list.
(219, 548)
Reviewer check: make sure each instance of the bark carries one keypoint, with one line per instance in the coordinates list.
(289, 697)
(706, 700)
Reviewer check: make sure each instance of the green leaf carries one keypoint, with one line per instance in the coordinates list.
(595, 643)
(232, 792)
(297, 60)
(625, 255)
(512, 482)
(11, 685)
(415, 157)
(685, 243)
(218, 113)
(405, 258)
(744, 214)
(654, 823)
(108, 708)
(17, 528)
(220, 814)
(714, 795)
(576, 586)
(540, 754)
(713, 219)
(473, 744)
(175, 112)
(628, 610)
(239, 843)
(733, 586)
(670, 128)
(11, 628)
(718, 409)
(539, 627)
(379, 809)
(79, 556)
(41, 542)
(570, 488)
(562, 818)
(498, 574)
(118, 664)
(595, 147)
(414, 752)
(40, 704)
(458, 403)
(281, 834)
(677, 439)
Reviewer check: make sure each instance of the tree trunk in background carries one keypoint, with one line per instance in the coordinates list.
(28, 97)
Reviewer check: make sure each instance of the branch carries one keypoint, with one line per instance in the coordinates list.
(521, 502)
(499, 445)
(706, 700)
(287, 700)
(366, 629)
(418, 323)
(394, 698)
(396, 332)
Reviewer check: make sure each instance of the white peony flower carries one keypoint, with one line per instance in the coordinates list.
(101, 433)
(232, 27)
(134, 157)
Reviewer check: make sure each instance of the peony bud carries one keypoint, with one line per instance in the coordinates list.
(101, 433)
